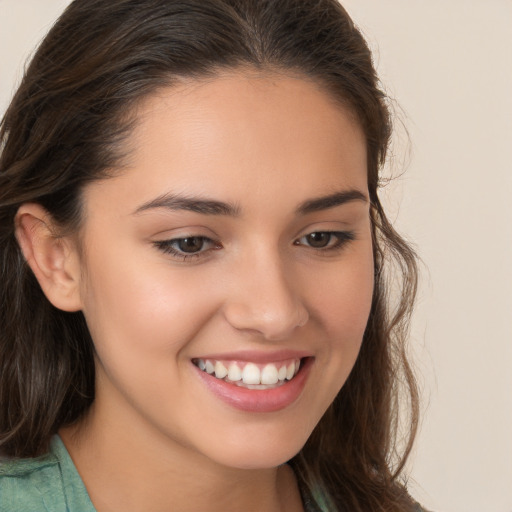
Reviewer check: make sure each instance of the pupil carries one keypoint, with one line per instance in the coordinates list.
(192, 244)
(319, 239)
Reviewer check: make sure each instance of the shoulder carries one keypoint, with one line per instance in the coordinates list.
(31, 484)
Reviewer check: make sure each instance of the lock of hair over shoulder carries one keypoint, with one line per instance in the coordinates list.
(65, 128)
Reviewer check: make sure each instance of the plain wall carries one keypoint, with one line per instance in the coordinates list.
(448, 64)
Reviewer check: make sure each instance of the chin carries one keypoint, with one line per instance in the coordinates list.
(260, 450)
(258, 459)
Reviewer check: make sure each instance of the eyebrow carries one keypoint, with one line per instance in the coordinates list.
(191, 204)
(331, 201)
(212, 207)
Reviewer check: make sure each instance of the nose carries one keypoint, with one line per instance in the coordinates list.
(263, 299)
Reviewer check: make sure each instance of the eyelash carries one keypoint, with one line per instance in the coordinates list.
(341, 238)
(167, 247)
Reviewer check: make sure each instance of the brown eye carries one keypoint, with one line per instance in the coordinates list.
(187, 247)
(191, 244)
(319, 239)
(326, 241)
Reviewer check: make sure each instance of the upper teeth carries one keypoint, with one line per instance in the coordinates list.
(250, 373)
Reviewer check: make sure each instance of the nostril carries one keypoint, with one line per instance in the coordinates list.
(303, 317)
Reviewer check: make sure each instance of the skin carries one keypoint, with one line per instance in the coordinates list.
(156, 438)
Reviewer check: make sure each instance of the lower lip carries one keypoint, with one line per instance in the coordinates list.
(259, 400)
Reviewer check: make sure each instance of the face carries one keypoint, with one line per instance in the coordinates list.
(228, 272)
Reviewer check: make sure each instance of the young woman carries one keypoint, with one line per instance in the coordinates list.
(194, 312)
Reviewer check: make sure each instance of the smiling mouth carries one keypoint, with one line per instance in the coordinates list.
(250, 375)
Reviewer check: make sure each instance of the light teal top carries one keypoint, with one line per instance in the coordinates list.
(49, 483)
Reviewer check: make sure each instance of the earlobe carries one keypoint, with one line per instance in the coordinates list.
(53, 259)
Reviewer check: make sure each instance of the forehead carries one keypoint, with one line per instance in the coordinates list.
(244, 131)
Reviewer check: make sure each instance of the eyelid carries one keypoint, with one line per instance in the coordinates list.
(342, 239)
(167, 247)
(185, 231)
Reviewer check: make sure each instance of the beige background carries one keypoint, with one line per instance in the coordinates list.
(448, 63)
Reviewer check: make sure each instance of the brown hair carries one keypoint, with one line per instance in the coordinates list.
(65, 127)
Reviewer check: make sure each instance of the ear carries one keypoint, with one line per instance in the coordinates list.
(54, 260)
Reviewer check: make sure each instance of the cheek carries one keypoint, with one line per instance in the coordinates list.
(344, 301)
(142, 308)
(342, 308)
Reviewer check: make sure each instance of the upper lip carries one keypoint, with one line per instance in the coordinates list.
(256, 356)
